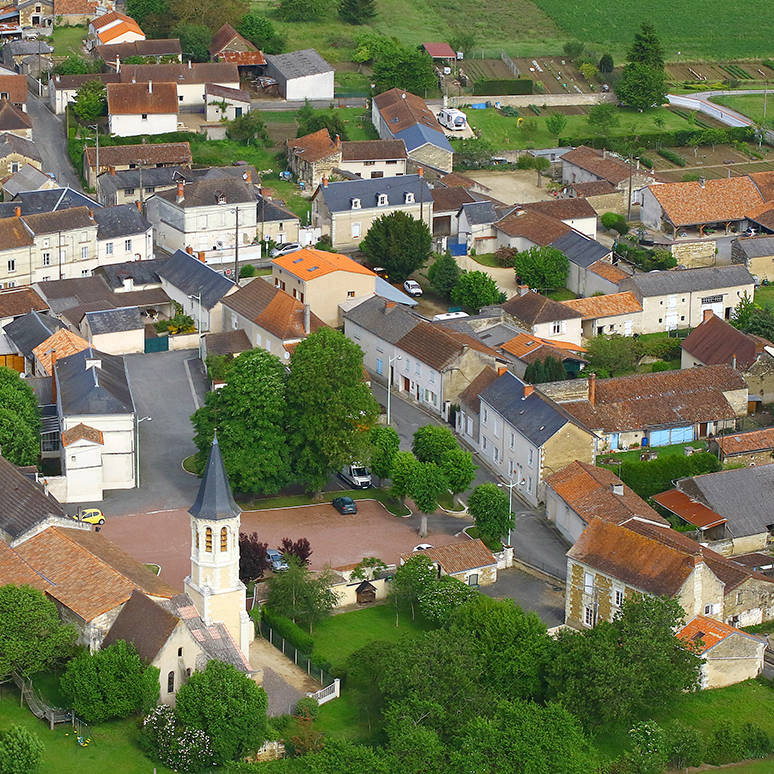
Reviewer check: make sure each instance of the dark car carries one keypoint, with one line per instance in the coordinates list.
(345, 505)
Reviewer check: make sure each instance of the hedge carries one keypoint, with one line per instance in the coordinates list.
(292, 632)
(676, 139)
(670, 155)
(503, 87)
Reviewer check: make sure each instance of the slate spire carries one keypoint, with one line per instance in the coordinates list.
(215, 500)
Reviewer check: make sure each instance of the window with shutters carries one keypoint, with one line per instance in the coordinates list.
(208, 540)
(223, 540)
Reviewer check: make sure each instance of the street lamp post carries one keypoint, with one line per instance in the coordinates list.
(198, 297)
(509, 487)
(236, 244)
(95, 127)
(389, 382)
(137, 449)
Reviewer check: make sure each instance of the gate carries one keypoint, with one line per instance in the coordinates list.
(158, 344)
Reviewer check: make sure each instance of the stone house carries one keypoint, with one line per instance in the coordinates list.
(715, 341)
(617, 313)
(678, 299)
(72, 13)
(14, 120)
(756, 254)
(115, 331)
(602, 195)
(119, 157)
(15, 153)
(755, 447)
(36, 13)
(229, 46)
(160, 48)
(656, 409)
(610, 563)
(313, 157)
(470, 562)
(544, 317)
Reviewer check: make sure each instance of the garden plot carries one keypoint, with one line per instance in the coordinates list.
(718, 71)
(558, 75)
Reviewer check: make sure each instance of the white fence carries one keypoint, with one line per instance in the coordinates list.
(704, 107)
(330, 692)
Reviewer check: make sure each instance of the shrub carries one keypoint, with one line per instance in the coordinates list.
(660, 366)
(248, 270)
(180, 749)
(610, 220)
(670, 155)
(505, 256)
(664, 349)
(496, 88)
(20, 750)
(290, 631)
(684, 745)
(308, 706)
(656, 476)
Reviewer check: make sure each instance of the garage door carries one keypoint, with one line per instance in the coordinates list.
(671, 436)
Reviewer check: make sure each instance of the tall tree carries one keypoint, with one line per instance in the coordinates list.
(475, 289)
(405, 68)
(228, 706)
(427, 485)
(443, 596)
(409, 581)
(555, 124)
(208, 13)
(261, 32)
(542, 268)
(640, 87)
(385, 443)
(604, 117)
(606, 64)
(253, 557)
(357, 11)
(311, 120)
(301, 596)
(329, 406)
(488, 504)
(32, 637)
(300, 549)
(91, 100)
(249, 415)
(404, 467)
(647, 49)
(444, 274)
(431, 442)
(548, 370)
(399, 243)
(19, 419)
(151, 15)
(459, 469)
(248, 129)
(194, 40)
(20, 750)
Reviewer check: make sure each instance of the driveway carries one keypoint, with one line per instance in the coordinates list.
(530, 594)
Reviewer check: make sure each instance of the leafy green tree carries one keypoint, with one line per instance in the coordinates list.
(408, 583)
(604, 117)
(431, 442)
(76, 65)
(248, 129)
(742, 314)
(444, 274)
(406, 68)
(647, 49)
(613, 354)
(640, 87)
(648, 478)
(194, 40)
(610, 220)
(152, 15)
(112, 683)
(573, 48)
(556, 124)
(713, 137)
(535, 373)
(91, 101)
(443, 596)
(548, 370)
(464, 40)
(32, 638)
(249, 415)
(311, 120)
(529, 129)
(404, 466)
(648, 754)
(19, 442)
(428, 483)
(606, 64)
(330, 408)
(302, 10)
(357, 11)
(207, 13)
(385, 443)
(369, 568)
(488, 504)
(261, 32)
(228, 706)
(472, 153)
(301, 596)
(588, 70)
(459, 469)
(475, 289)
(399, 243)
(20, 750)
(542, 268)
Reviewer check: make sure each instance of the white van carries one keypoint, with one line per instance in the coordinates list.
(357, 476)
(453, 119)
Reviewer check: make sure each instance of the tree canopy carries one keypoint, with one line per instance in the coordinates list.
(555, 124)
(431, 442)
(261, 32)
(195, 39)
(357, 11)
(405, 67)
(253, 557)
(248, 129)
(409, 581)
(646, 48)
(399, 243)
(301, 596)
(488, 504)
(311, 120)
(548, 370)
(604, 117)
(460, 470)
(444, 274)
(641, 87)
(385, 443)
(91, 101)
(542, 268)
(302, 10)
(212, 14)
(475, 289)
(20, 750)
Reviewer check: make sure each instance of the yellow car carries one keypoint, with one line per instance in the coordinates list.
(91, 516)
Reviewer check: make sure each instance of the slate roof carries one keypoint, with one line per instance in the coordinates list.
(418, 135)
(338, 196)
(214, 500)
(63, 343)
(30, 330)
(313, 147)
(270, 211)
(95, 390)
(534, 416)
(141, 272)
(24, 503)
(298, 64)
(60, 220)
(588, 490)
(310, 263)
(756, 246)
(12, 143)
(15, 302)
(119, 221)
(227, 342)
(80, 432)
(604, 166)
(716, 341)
(66, 293)
(563, 209)
(51, 200)
(148, 154)
(579, 249)
(479, 213)
(192, 277)
(127, 99)
(390, 323)
(271, 309)
(470, 396)
(661, 283)
(26, 47)
(535, 226)
(206, 192)
(373, 150)
(610, 305)
(130, 178)
(710, 633)
(28, 178)
(459, 557)
(114, 320)
(533, 309)
(746, 443)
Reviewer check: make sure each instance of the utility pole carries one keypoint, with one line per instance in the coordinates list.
(236, 245)
(95, 127)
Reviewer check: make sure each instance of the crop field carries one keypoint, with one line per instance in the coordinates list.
(715, 29)
(487, 69)
(744, 72)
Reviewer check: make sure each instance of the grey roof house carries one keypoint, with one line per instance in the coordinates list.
(28, 331)
(115, 331)
(301, 75)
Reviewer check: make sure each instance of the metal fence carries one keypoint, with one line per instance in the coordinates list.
(510, 63)
(295, 655)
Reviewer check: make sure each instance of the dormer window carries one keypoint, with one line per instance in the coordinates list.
(409, 197)
(355, 203)
(383, 200)
(221, 198)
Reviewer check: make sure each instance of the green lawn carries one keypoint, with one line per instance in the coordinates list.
(764, 295)
(750, 105)
(561, 294)
(290, 501)
(634, 455)
(487, 259)
(357, 121)
(111, 747)
(68, 41)
(504, 133)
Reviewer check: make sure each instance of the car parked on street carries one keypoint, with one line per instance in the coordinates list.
(90, 516)
(344, 505)
(278, 563)
(289, 247)
(412, 287)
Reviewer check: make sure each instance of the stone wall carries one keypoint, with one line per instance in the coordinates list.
(614, 202)
(694, 255)
(552, 100)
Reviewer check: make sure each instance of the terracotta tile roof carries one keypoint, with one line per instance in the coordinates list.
(588, 490)
(563, 209)
(456, 180)
(13, 233)
(608, 271)
(533, 309)
(530, 348)
(438, 346)
(745, 443)
(593, 188)
(13, 118)
(716, 341)
(238, 95)
(401, 109)
(137, 98)
(764, 182)
(764, 215)
(75, 7)
(89, 574)
(123, 27)
(81, 431)
(709, 633)
(535, 226)
(62, 343)
(440, 50)
(227, 343)
(148, 154)
(223, 73)
(310, 263)
(663, 398)
(225, 36)
(450, 199)
(242, 58)
(313, 147)
(459, 557)
(471, 395)
(14, 570)
(15, 302)
(373, 150)
(595, 307)
(691, 511)
(688, 204)
(604, 166)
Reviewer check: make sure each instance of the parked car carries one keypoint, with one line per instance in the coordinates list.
(289, 247)
(422, 547)
(344, 505)
(356, 475)
(412, 287)
(278, 563)
(90, 516)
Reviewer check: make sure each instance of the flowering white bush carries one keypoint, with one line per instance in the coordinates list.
(182, 749)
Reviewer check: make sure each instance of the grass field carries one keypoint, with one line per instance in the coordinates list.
(765, 295)
(634, 455)
(68, 41)
(750, 105)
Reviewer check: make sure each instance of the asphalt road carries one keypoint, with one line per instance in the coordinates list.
(48, 132)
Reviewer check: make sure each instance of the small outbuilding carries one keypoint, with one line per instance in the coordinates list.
(302, 75)
(365, 593)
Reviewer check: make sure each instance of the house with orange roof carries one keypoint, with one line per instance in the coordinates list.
(617, 313)
(754, 447)
(61, 344)
(112, 28)
(322, 280)
(524, 349)
(314, 156)
(470, 562)
(728, 655)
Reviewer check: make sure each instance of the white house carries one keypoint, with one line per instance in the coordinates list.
(225, 104)
(544, 317)
(112, 28)
(123, 234)
(142, 108)
(374, 158)
(301, 75)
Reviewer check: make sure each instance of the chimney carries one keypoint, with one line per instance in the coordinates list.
(58, 78)
(733, 362)
(307, 319)
(150, 87)
(17, 212)
(528, 390)
(638, 164)
(200, 256)
(112, 171)
(617, 489)
(118, 63)
(91, 214)
(128, 283)
(389, 305)
(248, 177)
(593, 390)
(134, 80)
(702, 181)
(189, 249)
(338, 140)
(502, 370)
(180, 191)
(325, 181)
(189, 64)
(604, 153)
(139, 205)
(523, 290)
(706, 314)
(421, 171)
